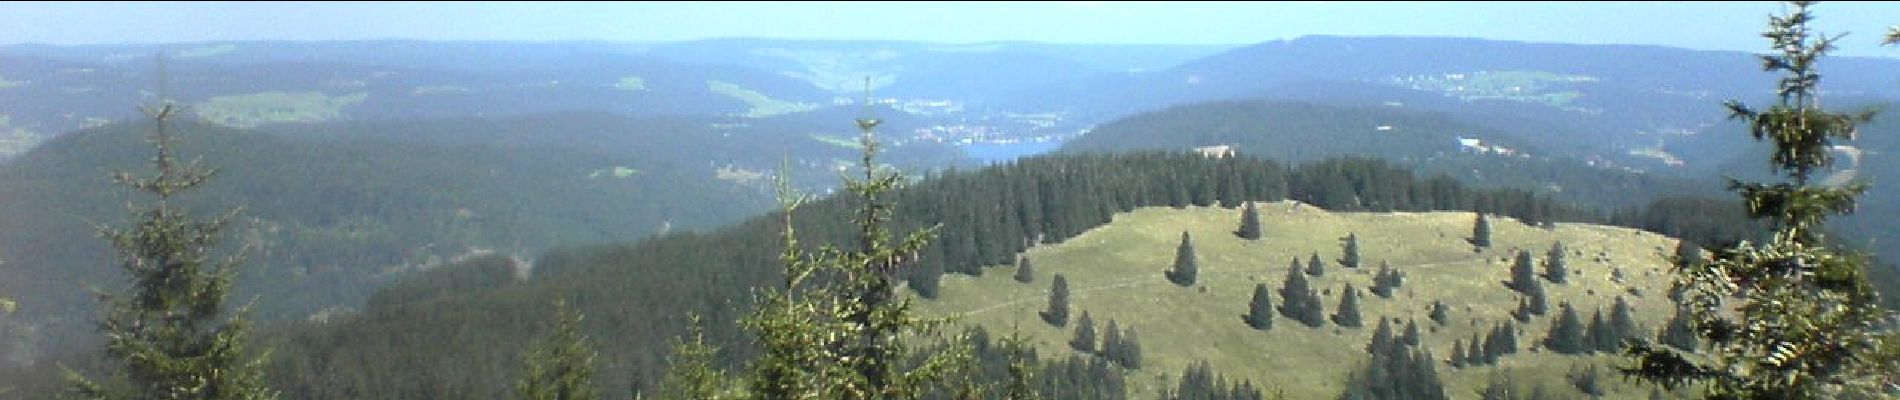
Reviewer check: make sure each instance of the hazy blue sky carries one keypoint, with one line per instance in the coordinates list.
(1700, 25)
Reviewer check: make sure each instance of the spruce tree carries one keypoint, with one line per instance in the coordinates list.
(1186, 267)
(1440, 313)
(1293, 294)
(1260, 310)
(1475, 354)
(1600, 336)
(1111, 341)
(1554, 267)
(1540, 304)
(835, 329)
(1025, 272)
(1131, 355)
(559, 365)
(692, 373)
(1381, 337)
(1567, 333)
(1249, 223)
(1410, 338)
(1348, 313)
(1084, 340)
(1806, 314)
(1481, 232)
(1314, 266)
(1493, 344)
(1058, 312)
(1622, 322)
(1523, 272)
(1350, 249)
(1523, 311)
(165, 336)
(1679, 332)
(1509, 336)
(1458, 353)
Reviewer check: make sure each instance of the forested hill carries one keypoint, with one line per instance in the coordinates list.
(452, 333)
(333, 218)
(1428, 141)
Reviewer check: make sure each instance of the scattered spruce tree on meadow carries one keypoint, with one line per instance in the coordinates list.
(1500, 387)
(1587, 380)
(1555, 269)
(1566, 334)
(1399, 372)
(1186, 267)
(1523, 272)
(1806, 315)
(166, 338)
(1130, 356)
(1440, 313)
(1386, 280)
(1680, 332)
(1249, 223)
(1260, 309)
(1410, 337)
(1084, 340)
(1025, 272)
(1623, 322)
(560, 364)
(1058, 312)
(926, 280)
(1523, 311)
(1381, 337)
(1481, 232)
(1475, 354)
(1599, 336)
(1458, 358)
(1350, 251)
(1348, 313)
(1314, 266)
(1111, 340)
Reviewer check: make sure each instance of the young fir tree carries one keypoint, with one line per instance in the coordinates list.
(1021, 370)
(1554, 267)
(1249, 223)
(1475, 354)
(1350, 251)
(1458, 358)
(1314, 266)
(560, 364)
(1805, 315)
(1058, 312)
(1260, 310)
(1293, 293)
(1186, 268)
(1386, 280)
(835, 329)
(692, 374)
(1440, 313)
(1410, 337)
(1084, 340)
(1348, 313)
(1025, 272)
(1523, 311)
(1111, 341)
(165, 336)
(1481, 232)
(1131, 354)
(1381, 337)
(1523, 272)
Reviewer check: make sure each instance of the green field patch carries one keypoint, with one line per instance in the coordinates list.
(760, 104)
(253, 109)
(445, 89)
(206, 51)
(849, 143)
(632, 83)
(1116, 272)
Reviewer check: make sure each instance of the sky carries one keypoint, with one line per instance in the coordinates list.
(1695, 25)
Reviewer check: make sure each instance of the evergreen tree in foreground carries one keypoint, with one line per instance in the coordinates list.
(559, 365)
(1567, 333)
(1260, 310)
(1806, 316)
(835, 329)
(693, 374)
(1186, 267)
(165, 335)
(1249, 223)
